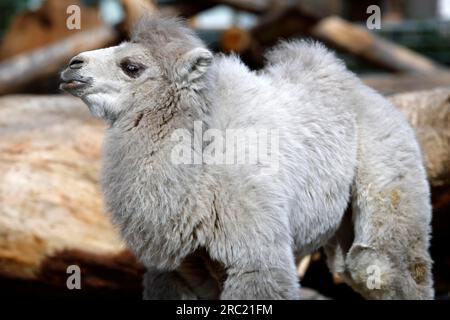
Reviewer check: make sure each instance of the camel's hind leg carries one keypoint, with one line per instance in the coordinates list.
(387, 257)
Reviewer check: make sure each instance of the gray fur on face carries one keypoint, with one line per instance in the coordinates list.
(166, 38)
(340, 144)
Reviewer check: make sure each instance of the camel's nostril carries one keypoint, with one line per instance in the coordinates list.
(76, 63)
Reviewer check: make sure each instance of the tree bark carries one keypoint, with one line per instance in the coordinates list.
(429, 113)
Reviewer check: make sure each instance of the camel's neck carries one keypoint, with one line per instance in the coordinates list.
(140, 171)
(179, 108)
(176, 123)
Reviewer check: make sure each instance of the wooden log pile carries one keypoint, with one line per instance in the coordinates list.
(296, 21)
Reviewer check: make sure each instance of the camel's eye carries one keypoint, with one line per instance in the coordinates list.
(131, 69)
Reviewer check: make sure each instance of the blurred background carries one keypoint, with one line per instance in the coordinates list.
(51, 212)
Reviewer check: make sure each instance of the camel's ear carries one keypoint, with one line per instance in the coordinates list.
(193, 65)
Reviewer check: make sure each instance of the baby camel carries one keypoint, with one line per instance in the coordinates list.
(234, 230)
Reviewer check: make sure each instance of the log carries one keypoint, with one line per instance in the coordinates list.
(429, 113)
(52, 215)
(297, 21)
(389, 83)
(34, 29)
(373, 49)
(303, 265)
(28, 67)
(49, 163)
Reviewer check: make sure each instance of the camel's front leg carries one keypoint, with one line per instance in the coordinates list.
(160, 285)
(274, 277)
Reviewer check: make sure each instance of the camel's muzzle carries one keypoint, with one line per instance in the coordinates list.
(73, 83)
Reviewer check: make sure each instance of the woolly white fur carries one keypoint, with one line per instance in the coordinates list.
(341, 145)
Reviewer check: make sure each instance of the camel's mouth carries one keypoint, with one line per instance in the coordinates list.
(76, 87)
(72, 85)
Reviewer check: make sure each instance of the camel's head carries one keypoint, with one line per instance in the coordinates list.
(135, 75)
